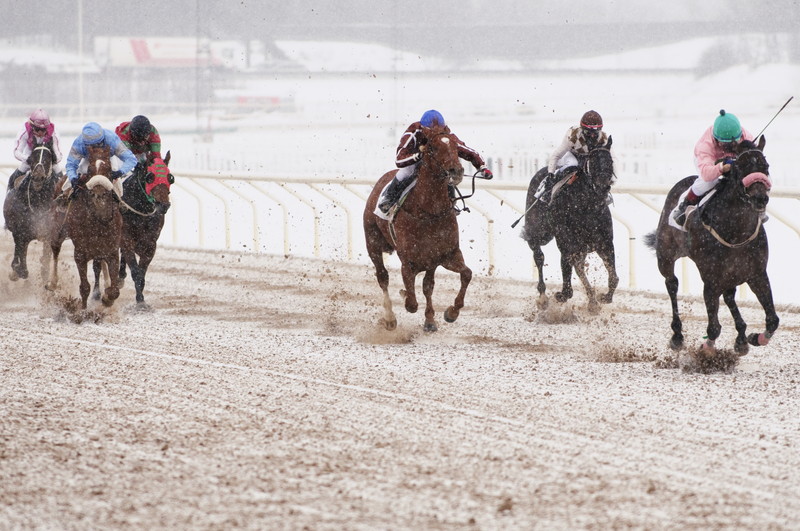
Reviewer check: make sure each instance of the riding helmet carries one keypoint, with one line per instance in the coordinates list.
(92, 133)
(139, 128)
(39, 118)
(591, 120)
(727, 127)
(431, 118)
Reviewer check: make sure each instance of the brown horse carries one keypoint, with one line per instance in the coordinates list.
(94, 224)
(27, 210)
(728, 244)
(424, 232)
(145, 202)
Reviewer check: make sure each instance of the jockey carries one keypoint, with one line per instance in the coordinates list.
(94, 134)
(142, 138)
(409, 155)
(712, 156)
(578, 141)
(38, 130)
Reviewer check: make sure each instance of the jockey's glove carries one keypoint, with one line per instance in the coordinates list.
(487, 173)
(115, 175)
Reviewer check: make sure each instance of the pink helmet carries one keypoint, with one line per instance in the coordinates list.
(40, 118)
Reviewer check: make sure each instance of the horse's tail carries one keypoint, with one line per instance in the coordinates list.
(650, 240)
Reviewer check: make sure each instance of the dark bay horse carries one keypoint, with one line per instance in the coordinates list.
(27, 210)
(727, 243)
(579, 219)
(94, 224)
(145, 202)
(424, 232)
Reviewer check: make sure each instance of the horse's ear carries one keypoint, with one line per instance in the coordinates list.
(166, 159)
(762, 142)
(608, 144)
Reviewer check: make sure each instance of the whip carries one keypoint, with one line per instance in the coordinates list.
(776, 115)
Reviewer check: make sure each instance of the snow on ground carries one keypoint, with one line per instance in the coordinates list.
(261, 393)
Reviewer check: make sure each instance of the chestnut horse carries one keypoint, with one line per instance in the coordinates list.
(424, 231)
(93, 223)
(145, 202)
(728, 244)
(579, 219)
(27, 210)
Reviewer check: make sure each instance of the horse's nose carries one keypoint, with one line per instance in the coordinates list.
(162, 208)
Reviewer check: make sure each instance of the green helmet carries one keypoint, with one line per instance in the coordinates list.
(727, 127)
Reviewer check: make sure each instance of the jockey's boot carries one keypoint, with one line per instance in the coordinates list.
(680, 214)
(13, 178)
(392, 194)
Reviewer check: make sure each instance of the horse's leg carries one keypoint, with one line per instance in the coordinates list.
(609, 260)
(409, 275)
(122, 272)
(763, 291)
(138, 269)
(740, 346)
(427, 289)
(566, 280)
(667, 268)
(382, 275)
(538, 259)
(713, 330)
(580, 270)
(456, 264)
(19, 265)
(55, 249)
(82, 262)
(111, 275)
(96, 265)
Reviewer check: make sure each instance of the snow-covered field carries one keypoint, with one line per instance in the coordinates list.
(261, 393)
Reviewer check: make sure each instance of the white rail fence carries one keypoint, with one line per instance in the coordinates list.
(320, 217)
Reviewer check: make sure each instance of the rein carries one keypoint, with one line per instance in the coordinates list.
(722, 240)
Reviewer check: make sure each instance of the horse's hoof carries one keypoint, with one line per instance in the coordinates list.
(389, 325)
(430, 327)
(121, 282)
(50, 286)
(707, 349)
(607, 298)
(561, 297)
(451, 314)
(758, 340)
(13, 277)
(542, 302)
(412, 307)
(676, 343)
(96, 295)
(143, 307)
(741, 348)
(594, 307)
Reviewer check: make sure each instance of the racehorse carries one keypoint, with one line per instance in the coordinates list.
(424, 231)
(145, 201)
(26, 209)
(727, 243)
(579, 219)
(94, 224)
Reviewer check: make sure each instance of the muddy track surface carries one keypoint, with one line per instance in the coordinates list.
(260, 393)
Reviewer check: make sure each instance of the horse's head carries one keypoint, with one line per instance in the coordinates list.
(750, 171)
(41, 164)
(99, 158)
(440, 149)
(157, 181)
(100, 196)
(598, 165)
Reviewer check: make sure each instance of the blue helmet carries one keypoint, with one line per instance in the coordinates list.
(92, 133)
(431, 118)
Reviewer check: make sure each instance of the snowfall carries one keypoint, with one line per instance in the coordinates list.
(260, 391)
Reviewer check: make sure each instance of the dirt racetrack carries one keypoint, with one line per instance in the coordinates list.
(259, 393)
